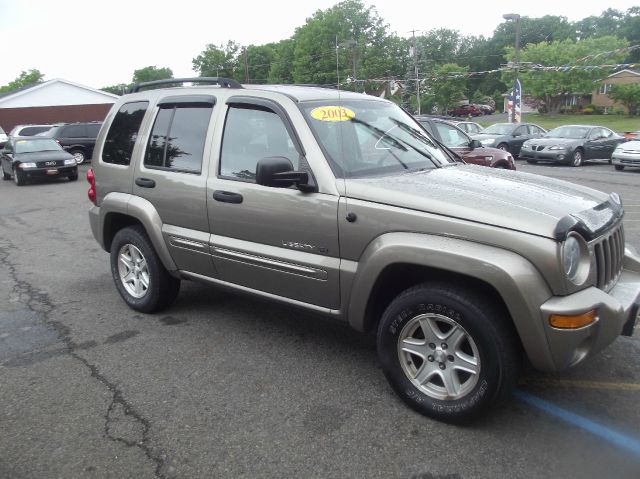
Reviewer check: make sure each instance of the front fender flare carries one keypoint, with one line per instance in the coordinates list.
(517, 281)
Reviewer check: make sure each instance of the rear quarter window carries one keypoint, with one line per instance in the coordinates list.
(123, 132)
(73, 131)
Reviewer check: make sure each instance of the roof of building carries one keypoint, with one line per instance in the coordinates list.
(19, 94)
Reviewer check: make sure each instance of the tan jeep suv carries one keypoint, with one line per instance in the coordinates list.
(341, 204)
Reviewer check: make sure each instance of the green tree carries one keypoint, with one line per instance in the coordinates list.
(448, 86)
(628, 95)
(222, 61)
(151, 73)
(281, 69)
(259, 59)
(364, 48)
(30, 77)
(552, 86)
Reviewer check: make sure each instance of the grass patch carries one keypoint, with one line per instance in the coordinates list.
(618, 123)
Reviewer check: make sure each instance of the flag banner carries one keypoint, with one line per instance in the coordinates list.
(517, 101)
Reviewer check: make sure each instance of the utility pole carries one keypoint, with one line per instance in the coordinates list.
(246, 65)
(416, 71)
(513, 118)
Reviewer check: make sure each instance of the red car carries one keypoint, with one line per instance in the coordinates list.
(466, 110)
(471, 151)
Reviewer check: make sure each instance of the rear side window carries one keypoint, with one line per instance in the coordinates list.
(178, 137)
(33, 130)
(118, 146)
(74, 131)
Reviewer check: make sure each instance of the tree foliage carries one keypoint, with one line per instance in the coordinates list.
(25, 78)
(220, 61)
(447, 88)
(151, 73)
(552, 86)
(628, 95)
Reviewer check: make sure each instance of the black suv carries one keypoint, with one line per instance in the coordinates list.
(77, 138)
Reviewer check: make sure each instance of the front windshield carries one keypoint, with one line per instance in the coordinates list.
(371, 138)
(32, 146)
(568, 132)
(499, 129)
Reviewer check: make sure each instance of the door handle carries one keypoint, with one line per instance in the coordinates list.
(145, 182)
(227, 196)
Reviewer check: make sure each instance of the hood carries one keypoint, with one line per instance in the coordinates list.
(43, 156)
(508, 199)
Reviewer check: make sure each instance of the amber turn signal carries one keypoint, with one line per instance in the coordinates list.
(573, 321)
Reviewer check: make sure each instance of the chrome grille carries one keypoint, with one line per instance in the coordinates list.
(609, 253)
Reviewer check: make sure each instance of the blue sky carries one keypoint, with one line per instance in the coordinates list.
(101, 43)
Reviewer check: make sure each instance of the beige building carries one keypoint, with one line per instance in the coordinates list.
(600, 96)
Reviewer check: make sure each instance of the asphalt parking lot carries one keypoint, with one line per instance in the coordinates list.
(224, 386)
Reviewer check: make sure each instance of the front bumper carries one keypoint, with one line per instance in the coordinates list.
(51, 172)
(625, 159)
(557, 156)
(617, 313)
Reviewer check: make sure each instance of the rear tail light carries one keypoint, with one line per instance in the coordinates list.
(91, 193)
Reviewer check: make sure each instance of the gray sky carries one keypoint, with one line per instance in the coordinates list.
(101, 43)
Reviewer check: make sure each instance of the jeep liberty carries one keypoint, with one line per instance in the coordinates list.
(341, 204)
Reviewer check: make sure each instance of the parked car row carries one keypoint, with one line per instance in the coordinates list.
(472, 110)
(46, 151)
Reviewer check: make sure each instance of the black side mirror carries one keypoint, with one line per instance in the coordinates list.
(278, 172)
(475, 144)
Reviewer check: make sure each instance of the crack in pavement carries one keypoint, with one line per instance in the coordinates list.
(39, 303)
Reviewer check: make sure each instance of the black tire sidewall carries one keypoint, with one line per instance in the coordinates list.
(138, 238)
(474, 320)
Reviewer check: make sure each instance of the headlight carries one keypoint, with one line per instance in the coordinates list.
(70, 161)
(525, 146)
(27, 165)
(558, 147)
(575, 259)
(488, 141)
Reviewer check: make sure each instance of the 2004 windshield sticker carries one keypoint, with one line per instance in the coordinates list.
(332, 113)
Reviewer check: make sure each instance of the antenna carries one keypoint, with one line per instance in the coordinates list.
(337, 64)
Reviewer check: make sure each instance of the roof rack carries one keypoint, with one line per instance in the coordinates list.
(223, 82)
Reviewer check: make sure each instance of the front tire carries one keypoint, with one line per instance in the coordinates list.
(18, 177)
(619, 167)
(141, 279)
(532, 162)
(448, 353)
(577, 158)
(5, 176)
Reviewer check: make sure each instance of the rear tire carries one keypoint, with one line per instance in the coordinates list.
(448, 353)
(79, 155)
(141, 279)
(5, 176)
(503, 147)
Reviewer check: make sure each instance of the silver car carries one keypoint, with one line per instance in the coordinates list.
(626, 154)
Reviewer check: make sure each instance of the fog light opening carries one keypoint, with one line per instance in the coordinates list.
(573, 321)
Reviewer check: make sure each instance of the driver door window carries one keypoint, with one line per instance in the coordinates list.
(250, 134)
